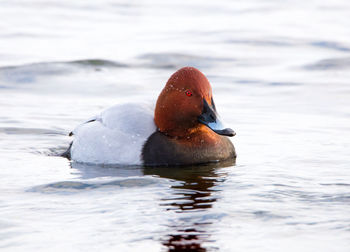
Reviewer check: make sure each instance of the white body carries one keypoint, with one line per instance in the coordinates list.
(116, 136)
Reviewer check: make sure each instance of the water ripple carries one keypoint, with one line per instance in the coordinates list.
(329, 64)
(331, 45)
(77, 186)
(29, 131)
(28, 73)
(177, 60)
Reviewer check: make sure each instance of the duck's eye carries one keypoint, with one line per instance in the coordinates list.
(188, 93)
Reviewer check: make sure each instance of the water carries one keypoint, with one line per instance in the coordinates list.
(280, 75)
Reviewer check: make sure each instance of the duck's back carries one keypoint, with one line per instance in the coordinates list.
(116, 136)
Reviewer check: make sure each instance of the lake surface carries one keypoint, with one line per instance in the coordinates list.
(280, 72)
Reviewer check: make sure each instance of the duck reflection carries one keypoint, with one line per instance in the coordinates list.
(192, 195)
(190, 198)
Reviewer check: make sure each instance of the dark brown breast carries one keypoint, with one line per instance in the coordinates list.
(160, 149)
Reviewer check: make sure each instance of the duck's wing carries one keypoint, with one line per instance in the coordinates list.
(67, 153)
(92, 119)
(115, 136)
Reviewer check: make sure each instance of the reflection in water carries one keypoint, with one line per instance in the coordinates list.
(192, 196)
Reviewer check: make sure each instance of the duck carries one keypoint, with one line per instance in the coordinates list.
(184, 128)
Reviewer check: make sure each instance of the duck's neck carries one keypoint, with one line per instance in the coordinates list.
(200, 135)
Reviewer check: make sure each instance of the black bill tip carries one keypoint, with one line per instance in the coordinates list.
(226, 132)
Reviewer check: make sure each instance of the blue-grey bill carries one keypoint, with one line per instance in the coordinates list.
(219, 128)
(210, 118)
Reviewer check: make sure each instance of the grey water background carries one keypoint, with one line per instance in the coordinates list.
(280, 72)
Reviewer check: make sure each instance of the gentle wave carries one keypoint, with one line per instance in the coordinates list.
(178, 60)
(77, 186)
(329, 64)
(150, 60)
(29, 131)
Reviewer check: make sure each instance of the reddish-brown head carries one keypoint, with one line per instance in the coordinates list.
(186, 102)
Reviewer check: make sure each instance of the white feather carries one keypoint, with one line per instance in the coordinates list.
(116, 136)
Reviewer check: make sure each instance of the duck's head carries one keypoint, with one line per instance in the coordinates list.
(186, 104)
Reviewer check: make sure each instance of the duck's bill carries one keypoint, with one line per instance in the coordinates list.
(210, 118)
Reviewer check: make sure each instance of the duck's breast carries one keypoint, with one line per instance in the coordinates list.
(160, 149)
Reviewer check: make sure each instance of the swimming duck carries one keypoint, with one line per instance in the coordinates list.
(183, 129)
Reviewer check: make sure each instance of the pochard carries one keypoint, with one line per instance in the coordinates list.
(184, 129)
